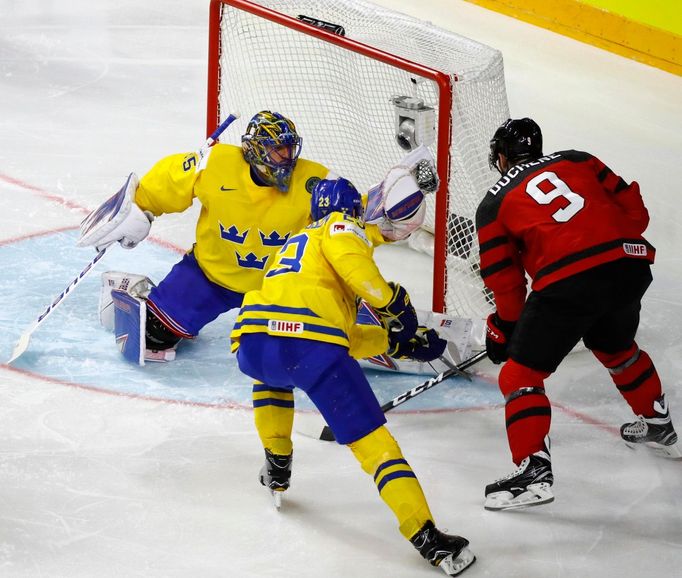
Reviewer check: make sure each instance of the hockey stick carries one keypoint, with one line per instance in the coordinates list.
(23, 342)
(22, 345)
(327, 435)
(211, 140)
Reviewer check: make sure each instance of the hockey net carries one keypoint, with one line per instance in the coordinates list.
(346, 91)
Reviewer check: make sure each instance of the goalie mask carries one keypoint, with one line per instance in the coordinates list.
(271, 146)
(335, 196)
(519, 140)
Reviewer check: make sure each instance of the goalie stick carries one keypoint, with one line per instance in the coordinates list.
(327, 435)
(23, 342)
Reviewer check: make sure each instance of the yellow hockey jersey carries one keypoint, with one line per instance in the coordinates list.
(310, 291)
(241, 225)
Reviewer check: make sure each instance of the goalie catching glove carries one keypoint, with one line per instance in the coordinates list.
(398, 315)
(396, 205)
(118, 219)
(426, 345)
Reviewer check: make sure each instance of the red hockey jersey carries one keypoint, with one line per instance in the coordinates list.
(552, 218)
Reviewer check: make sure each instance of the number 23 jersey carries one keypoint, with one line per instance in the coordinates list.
(310, 290)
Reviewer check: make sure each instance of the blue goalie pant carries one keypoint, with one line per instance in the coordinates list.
(331, 378)
(186, 300)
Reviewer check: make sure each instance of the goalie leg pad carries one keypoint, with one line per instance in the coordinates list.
(130, 314)
(130, 329)
(132, 283)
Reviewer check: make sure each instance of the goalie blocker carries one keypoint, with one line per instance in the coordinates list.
(117, 220)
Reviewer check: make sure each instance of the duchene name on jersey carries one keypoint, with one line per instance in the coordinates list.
(514, 171)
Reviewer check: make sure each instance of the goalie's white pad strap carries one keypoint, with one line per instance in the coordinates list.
(421, 153)
(132, 283)
(118, 219)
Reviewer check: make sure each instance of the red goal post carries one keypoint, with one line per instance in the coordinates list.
(347, 93)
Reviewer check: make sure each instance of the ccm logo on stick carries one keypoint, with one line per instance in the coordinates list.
(277, 326)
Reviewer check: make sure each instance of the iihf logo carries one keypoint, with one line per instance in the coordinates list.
(232, 234)
(281, 326)
(635, 249)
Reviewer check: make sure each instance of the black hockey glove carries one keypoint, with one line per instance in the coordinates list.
(426, 345)
(497, 335)
(398, 315)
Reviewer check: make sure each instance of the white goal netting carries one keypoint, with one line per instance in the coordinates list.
(339, 93)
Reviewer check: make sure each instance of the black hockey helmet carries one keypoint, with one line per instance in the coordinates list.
(518, 140)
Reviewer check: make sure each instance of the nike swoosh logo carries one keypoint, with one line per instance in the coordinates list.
(222, 188)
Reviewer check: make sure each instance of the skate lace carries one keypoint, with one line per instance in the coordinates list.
(637, 428)
(517, 472)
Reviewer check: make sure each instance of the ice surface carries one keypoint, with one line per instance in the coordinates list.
(110, 470)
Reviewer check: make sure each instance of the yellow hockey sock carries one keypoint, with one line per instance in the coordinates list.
(273, 412)
(381, 457)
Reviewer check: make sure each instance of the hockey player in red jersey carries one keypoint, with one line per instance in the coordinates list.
(575, 228)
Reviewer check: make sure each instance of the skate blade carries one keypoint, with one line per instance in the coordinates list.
(535, 495)
(276, 498)
(671, 452)
(453, 566)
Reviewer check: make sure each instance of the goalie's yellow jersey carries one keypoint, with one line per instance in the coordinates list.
(241, 225)
(310, 291)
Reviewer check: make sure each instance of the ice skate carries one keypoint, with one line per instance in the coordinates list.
(450, 553)
(655, 433)
(529, 485)
(275, 475)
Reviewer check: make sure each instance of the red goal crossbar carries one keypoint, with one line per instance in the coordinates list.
(443, 81)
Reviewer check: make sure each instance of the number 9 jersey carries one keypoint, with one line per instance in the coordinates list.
(553, 218)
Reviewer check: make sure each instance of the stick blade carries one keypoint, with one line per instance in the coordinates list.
(327, 435)
(20, 347)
